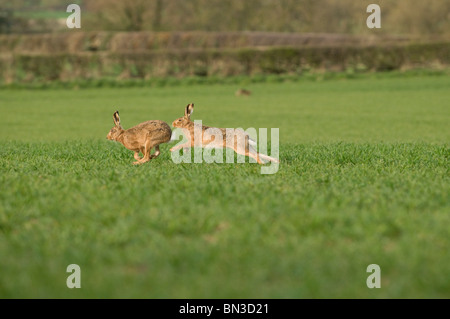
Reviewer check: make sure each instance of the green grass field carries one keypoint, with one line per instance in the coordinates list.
(364, 179)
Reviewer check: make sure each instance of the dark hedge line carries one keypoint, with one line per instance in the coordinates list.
(21, 67)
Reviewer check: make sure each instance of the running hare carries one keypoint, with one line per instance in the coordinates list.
(241, 92)
(141, 138)
(240, 142)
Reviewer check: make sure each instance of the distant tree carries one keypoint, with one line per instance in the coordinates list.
(119, 15)
(158, 12)
(418, 17)
(5, 20)
(327, 16)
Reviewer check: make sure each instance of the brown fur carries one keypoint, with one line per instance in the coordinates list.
(141, 138)
(241, 92)
(239, 141)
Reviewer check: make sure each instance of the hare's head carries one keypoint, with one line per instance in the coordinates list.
(117, 130)
(186, 119)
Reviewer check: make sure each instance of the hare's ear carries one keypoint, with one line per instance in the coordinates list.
(116, 118)
(189, 110)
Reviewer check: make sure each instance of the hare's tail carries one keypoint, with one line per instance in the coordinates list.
(268, 158)
(251, 142)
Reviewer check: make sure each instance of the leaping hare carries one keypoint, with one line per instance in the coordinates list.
(240, 142)
(141, 138)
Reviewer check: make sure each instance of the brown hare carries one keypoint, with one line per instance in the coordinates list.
(240, 142)
(241, 92)
(141, 138)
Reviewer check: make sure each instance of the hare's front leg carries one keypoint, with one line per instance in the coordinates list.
(185, 145)
(136, 154)
(148, 146)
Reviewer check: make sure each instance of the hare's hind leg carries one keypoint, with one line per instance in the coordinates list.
(248, 151)
(255, 156)
(253, 153)
(157, 152)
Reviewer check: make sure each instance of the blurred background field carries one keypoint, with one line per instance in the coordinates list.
(143, 40)
(367, 109)
(364, 146)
